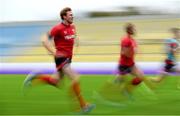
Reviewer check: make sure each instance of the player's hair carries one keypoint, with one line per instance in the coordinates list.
(175, 30)
(128, 27)
(64, 11)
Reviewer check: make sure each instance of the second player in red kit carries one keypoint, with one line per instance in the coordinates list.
(127, 63)
(128, 42)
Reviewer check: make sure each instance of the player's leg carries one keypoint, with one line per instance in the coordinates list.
(75, 87)
(122, 73)
(60, 63)
(163, 74)
(138, 74)
(120, 79)
(160, 78)
(36, 79)
(54, 81)
(129, 87)
(139, 77)
(178, 78)
(177, 70)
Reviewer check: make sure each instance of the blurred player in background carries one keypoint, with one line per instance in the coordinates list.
(63, 36)
(127, 63)
(172, 46)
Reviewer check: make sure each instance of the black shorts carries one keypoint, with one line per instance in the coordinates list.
(61, 62)
(169, 67)
(124, 69)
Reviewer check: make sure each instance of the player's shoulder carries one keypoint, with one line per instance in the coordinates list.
(125, 39)
(58, 26)
(73, 26)
(170, 40)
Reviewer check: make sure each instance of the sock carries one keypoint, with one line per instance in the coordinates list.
(48, 79)
(77, 91)
(129, 87)
(136, 81)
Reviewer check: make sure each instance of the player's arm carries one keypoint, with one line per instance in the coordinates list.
(47, 43)
(76, 38)
(77, 41)
(76, 44)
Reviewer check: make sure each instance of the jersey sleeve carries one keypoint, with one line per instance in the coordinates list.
(54, 31)
(172, 44)
(75, 33)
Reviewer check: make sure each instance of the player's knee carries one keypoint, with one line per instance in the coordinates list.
(136, 81)
(76, 78)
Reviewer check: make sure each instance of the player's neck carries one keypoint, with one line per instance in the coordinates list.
(130, 36)
(176, 38)
(66, 23)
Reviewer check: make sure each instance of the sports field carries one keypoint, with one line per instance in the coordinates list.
(163, 99)
(99, 42)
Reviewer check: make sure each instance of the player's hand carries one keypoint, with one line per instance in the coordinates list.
(135, 50)
(56, 55)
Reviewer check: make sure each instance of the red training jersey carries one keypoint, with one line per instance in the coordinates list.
(64, 36)
(128, 42)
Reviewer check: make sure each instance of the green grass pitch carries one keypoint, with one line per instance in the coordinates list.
(48, 100)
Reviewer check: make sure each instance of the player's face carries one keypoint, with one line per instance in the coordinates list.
(69, 17)
(177, 34)
(132, 30)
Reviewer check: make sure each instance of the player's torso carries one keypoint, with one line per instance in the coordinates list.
(169, 44)
(128, 61)
(66, 35)
(64, 41)
(134, 45)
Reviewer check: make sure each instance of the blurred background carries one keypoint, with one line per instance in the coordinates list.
(99, 26)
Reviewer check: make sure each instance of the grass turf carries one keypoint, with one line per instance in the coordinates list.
(51, 101)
